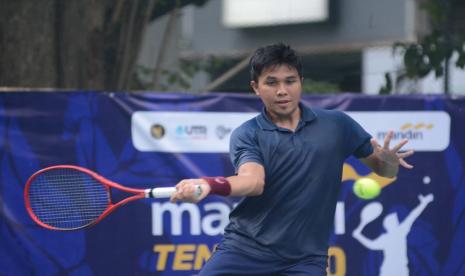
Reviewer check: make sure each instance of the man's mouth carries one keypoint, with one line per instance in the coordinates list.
(283, 102)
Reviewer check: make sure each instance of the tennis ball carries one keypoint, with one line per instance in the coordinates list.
(366, 188)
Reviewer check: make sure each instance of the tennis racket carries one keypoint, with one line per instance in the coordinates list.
(67, 197)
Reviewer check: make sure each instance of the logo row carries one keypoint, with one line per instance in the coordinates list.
(166, 131)
(158, 131)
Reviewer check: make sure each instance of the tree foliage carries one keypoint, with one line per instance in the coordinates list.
(433, 51)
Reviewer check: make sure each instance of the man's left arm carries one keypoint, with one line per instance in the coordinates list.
(385, 161)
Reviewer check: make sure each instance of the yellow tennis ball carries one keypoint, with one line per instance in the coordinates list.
(366, 188)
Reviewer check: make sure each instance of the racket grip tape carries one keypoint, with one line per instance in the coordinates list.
(163, 192)
(166, 192)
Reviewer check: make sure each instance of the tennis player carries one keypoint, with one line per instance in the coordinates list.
(288, 163)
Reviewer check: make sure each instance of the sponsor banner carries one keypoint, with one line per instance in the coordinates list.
(141, 140)
(185, 131)
(210, 131)
(425, 130)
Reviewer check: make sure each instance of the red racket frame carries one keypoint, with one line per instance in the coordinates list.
(138, 194)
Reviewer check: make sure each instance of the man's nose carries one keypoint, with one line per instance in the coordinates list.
(282, 90)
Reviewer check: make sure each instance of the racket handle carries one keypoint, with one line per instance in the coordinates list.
(163, 192)
(166, 192)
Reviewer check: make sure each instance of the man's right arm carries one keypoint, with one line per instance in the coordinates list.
(249, 181)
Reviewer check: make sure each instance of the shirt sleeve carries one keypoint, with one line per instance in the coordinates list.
(243, 147)
(357, 139)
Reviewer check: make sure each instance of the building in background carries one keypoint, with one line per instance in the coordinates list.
(346, 45)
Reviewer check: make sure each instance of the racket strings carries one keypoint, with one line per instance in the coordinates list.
(67, 198)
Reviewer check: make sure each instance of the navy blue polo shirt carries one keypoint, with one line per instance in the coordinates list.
(294, 215)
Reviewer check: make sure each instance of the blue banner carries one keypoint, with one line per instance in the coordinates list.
(416, 226)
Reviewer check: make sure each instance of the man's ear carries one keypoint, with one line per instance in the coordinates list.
(254, 86)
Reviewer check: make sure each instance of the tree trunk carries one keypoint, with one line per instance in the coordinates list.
(74, 44)
(27, 51)
(80, 44)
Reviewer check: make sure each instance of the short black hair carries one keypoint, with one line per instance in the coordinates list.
(272, 55)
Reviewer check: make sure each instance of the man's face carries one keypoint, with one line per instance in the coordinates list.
(280, 88)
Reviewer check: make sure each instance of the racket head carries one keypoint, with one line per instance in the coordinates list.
(67, 197)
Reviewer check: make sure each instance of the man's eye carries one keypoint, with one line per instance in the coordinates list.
(290, 81)
(271, 83)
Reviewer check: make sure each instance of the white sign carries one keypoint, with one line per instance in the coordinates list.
(247, 13)
(209, 132)
(185, 131)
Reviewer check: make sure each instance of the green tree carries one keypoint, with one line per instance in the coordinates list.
(433, 52)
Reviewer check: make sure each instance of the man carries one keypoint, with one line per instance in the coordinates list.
(288, 163)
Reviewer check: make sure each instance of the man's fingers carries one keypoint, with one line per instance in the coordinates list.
(400, 145)
(174, 197)
(374, 143)
(405, 164)
(388, 139)
(186, 190)
(402, 155)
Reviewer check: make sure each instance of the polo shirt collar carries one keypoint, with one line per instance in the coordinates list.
(306, 115)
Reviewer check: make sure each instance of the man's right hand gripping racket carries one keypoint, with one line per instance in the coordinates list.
(69, 197)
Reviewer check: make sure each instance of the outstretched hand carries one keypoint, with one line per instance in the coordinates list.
(392, 156)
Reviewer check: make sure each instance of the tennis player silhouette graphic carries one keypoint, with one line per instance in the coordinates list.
(393, 242)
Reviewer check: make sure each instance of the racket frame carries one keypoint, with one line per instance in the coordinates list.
(163, 192)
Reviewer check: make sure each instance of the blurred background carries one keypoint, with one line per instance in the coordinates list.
(359, 46)
(86, 82)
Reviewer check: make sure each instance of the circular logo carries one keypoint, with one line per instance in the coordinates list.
(157, 131)
(222, 131)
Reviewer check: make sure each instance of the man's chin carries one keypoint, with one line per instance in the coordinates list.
(283, 113)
